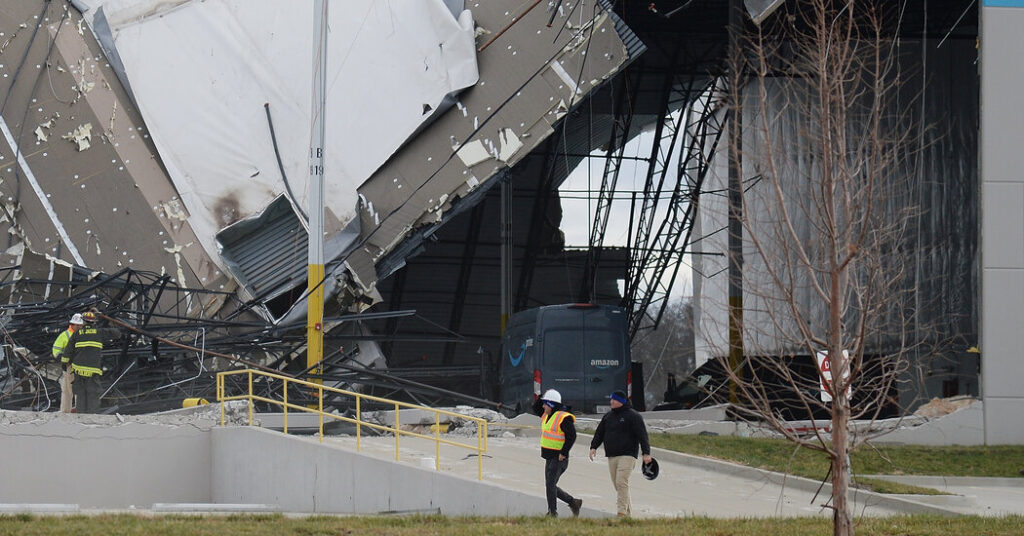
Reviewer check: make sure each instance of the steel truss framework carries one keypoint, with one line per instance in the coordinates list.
(168, 345)
(662, 218)
(657, 257)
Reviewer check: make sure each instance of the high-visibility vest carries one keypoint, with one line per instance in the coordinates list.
(61, 343)
(551, 435)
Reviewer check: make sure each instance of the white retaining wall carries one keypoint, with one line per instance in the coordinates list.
(252, 465)
(103, 466)
(112, 465)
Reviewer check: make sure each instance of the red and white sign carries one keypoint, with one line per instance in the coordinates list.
(825, 376)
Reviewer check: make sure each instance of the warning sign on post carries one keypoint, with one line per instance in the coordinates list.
(825, 376)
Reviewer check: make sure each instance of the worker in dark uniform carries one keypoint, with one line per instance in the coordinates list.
(85, 353)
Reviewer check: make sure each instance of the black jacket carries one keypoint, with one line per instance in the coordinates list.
(622, 430)
(85, 350)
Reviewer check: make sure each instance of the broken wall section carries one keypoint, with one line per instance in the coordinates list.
(530, 77)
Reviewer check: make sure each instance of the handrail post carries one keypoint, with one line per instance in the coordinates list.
(437, 440)
(320, 392)
(220, 396)
(250, 397)
(396, 431)
(285, 405)
(479, 453)
(359, 424)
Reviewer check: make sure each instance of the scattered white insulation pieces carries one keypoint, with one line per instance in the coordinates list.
(510, 144)
(473, 153)
(559, 70)
(561, 109)
(472, 182)
(368, 205)
(173, 209)
(176, 250)
(80, 136)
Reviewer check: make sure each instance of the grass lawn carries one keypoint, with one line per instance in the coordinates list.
(783, 456)
(274, 525)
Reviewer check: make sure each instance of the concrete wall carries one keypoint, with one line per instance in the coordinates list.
(256, 466)
(1002, 221)
(103, 466)
(963, 427)
(61, 460)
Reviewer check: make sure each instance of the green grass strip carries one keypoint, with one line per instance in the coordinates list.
(783, 456)
(274, 525)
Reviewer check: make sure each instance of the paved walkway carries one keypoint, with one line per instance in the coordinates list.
(680, 490)
(970, 495)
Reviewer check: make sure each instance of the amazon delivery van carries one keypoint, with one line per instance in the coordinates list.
(580, 350)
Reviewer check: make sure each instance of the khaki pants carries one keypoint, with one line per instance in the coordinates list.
(65, 391)
(620, 468)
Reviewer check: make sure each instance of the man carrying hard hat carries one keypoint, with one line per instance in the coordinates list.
(623, 433)
(557, 435)
(59, 347)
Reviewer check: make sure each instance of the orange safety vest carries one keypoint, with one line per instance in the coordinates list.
(551, 435)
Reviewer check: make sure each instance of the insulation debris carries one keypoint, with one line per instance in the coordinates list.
(510, 144)
(368, 205)
(80, 136)
(176, 250)
(473, 153)
(173, 209)
(40, 132)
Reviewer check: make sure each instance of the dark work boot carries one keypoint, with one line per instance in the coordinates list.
(575, 506)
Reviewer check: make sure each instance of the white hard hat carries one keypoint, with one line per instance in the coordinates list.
(552, 395)
(77, 319)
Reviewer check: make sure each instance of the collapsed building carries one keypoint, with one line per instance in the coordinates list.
(157, 159)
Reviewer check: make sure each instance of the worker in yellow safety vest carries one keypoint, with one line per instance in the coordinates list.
(557, 435)
(85, 354)
(59, 346)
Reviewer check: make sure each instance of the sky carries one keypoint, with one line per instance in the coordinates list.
(578, 211)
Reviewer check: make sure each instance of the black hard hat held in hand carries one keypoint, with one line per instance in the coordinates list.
(650, 470)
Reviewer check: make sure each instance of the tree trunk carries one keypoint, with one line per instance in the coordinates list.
(842, 518)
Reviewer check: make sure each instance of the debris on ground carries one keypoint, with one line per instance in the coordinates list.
(937, 407)
(236, 413)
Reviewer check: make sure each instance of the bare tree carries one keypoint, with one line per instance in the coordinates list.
(826, 148)
(666, 350)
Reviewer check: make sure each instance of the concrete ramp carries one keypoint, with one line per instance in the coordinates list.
(251, 465)
(688, 485)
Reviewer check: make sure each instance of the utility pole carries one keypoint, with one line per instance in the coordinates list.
(735, 196)
(315, 272)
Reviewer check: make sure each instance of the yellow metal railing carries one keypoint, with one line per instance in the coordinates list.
(481, 424)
